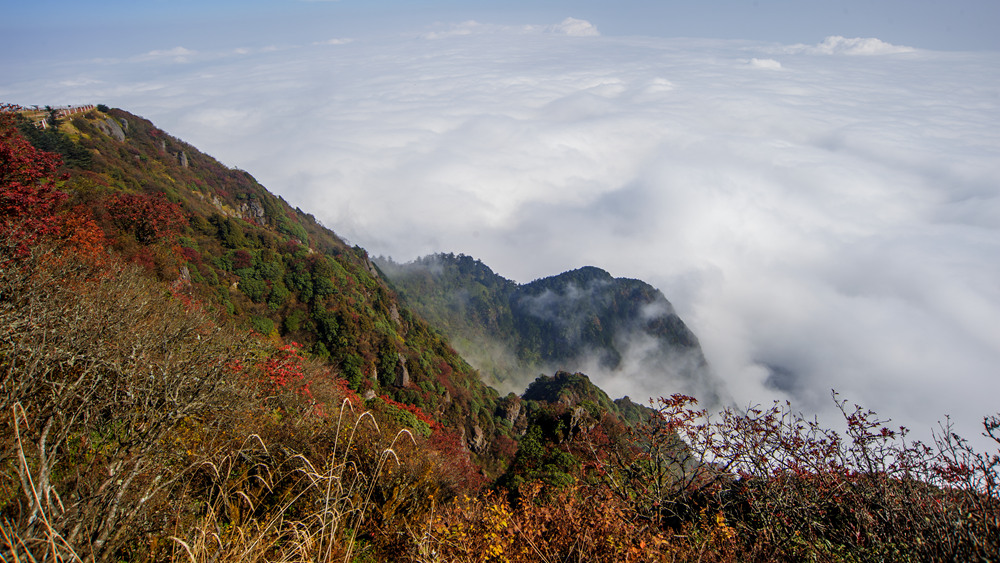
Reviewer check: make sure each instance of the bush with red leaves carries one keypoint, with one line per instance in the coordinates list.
(147, 217)
(28, 194)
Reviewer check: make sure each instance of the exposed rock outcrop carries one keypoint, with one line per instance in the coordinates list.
(371, 267)
(477, 443)
(112, 128)
(402, 374)
(252, 210)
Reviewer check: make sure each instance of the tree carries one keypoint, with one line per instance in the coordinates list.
(53, 118)
(28, 194)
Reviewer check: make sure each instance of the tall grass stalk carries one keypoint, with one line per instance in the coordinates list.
(237, 526)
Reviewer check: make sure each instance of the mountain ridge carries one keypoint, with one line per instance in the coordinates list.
(581, 320)
(220, 239)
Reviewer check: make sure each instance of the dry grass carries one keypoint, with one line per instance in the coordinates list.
(317, 513)
(121, 415)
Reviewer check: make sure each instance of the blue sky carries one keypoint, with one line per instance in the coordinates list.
(814, 185)
(88, 26)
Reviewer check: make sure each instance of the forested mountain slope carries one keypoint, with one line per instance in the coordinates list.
(219, 237)
(580, 320)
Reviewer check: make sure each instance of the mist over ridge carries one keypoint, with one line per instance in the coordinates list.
(623, 333)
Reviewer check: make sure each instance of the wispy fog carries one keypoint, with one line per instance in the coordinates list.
(822, 216)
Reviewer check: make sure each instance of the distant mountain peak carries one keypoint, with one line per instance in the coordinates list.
(582, 274)
(583, 320)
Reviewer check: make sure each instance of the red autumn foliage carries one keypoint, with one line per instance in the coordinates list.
(415, 410)
(28, 194)
(81, 235)
(284, 371)
(285, 367)
(444, 369)
(242, 259)
(147, 217)
(191, 255)
(345, 391)
(789, 488)
(456, 464)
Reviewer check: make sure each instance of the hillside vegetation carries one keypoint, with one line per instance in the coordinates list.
(192, 370)
(581, 320)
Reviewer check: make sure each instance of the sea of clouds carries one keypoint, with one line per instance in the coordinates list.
(822, 216)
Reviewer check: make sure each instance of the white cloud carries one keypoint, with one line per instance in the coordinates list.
(570, 26)
(458, 29)
(839, 221)
(576, 28)
(79, 82)
(837, 45)
(335, 41)
(767, 64)
(177, 55)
